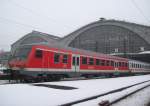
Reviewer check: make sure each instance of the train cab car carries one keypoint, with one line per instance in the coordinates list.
(41, 60)
(46, 59)
(19, 59)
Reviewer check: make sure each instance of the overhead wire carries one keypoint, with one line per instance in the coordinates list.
(13, 21)
(140, 11)
(22, 24)
(37, 13)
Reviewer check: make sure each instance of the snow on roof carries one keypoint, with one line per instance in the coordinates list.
(145, 52)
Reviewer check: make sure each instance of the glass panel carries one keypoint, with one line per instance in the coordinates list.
(38, 53)
(103, 63)
(97, 61)
(112, 63)
(91, 61)
(65, 58)
(22, 52)
(74, 61)
(56, 58)
(77, 61)
(84, 60)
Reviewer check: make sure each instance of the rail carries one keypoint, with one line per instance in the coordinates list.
(103, 94)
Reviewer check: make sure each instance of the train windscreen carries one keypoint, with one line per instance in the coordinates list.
(22, 52)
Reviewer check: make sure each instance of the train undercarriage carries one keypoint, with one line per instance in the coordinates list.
(36, 76)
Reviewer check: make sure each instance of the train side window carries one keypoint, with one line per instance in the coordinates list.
(84, 60)
(139, 65)
(135, 65)
(38, 54)
(115, 64)
(91, 61)
(107, 63)
(112, 63)
(73, 61)
(123, 64)
(103, 63)
(65, 58)
(142, 66)
(97, 61)
(56, 58)
(126, 64)
(132, 65)
(77, 61)
(120, 64)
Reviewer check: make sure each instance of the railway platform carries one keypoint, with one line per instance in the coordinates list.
(61, 93)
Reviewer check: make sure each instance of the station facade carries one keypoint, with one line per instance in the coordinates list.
(113, 37)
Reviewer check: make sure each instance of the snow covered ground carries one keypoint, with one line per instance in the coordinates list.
(30, 95)
(139, 99)
(117, 95)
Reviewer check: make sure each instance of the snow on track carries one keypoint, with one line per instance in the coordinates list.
(141, 98)
(113, 97)
(29, 95)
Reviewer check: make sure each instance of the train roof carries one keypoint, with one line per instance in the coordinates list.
(137, 61)
(83, 52)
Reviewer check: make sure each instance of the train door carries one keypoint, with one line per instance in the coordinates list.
(75, 63)
(45, 60)
(116, 65)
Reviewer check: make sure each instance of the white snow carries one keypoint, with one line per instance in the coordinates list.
(139, 99)
(29, 95)
(114, 96)
(145, 52)
(2, 67)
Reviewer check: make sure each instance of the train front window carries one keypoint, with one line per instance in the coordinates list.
(22, 53)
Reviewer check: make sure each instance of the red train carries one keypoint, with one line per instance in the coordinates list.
(55, 62)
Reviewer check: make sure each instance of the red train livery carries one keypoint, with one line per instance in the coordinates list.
(56, 62)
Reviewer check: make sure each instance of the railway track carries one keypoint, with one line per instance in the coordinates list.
(107, 103)
(127, 95)
(65, 79)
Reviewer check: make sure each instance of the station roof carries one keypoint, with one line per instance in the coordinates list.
(47, 37)
(141, 30)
